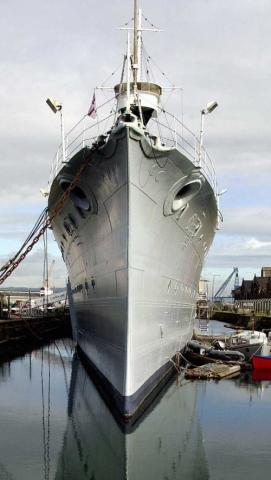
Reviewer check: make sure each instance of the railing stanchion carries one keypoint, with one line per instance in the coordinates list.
(84, 131)
(175, 131)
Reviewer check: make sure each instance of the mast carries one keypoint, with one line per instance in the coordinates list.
(139, 44)
(135, 52)
(136, 96)
(128, 70)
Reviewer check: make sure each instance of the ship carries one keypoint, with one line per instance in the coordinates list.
(133, 204)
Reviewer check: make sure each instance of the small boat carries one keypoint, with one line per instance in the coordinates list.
(262, 362)
(214, 353)
(248, 342)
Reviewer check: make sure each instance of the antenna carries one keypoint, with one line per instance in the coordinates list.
(139, 98)
(137, 43)
(135, 54)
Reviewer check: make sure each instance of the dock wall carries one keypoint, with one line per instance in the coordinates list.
(249, 320)
(21, 333)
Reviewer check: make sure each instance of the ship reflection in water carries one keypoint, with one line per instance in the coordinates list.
(55, 426)
(166, 444)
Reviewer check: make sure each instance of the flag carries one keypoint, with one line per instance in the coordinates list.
(92, 111)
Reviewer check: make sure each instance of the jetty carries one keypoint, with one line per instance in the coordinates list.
(17, 333)
(215, 371)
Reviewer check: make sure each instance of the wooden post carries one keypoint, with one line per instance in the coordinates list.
(1, 305)
(8, 305)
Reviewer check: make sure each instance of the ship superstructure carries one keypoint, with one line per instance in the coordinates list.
(139, 215)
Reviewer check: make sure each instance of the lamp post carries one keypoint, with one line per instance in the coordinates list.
(56, 106)
(210, 107)
(213, 285)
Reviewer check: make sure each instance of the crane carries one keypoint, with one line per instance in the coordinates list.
(227, 281)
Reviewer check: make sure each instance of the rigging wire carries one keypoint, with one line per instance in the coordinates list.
(43, 418)
(149, 22)
(145, 67)
(48, 413)
(64, 368)
(45, 271)
(123, 70)
(148, 61)
(111, 75)
(157, 66)
(127, 23)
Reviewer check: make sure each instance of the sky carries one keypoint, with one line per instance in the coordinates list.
(214, 49)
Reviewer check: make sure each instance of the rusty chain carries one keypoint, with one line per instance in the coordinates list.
(59, 206)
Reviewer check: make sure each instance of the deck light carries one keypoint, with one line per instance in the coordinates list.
(210, 107)
(56, 106)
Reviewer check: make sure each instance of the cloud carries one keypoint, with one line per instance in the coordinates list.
(214, 50)
(247, 221)
(30, 272)
(255, 244)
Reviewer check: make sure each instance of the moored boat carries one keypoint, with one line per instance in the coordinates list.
(261, 362)
(249, 342)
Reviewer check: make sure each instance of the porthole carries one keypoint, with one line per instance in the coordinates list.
(82, 202)
(79, 199)
(185, 194)
(181, 194)
(77, 195)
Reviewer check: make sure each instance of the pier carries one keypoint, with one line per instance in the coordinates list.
(22, 333)
(27, 319)
(243, 318)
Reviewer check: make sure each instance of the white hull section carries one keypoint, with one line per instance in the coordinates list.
(134, 263)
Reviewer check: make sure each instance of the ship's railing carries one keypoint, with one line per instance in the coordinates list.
(167, 127)
(83, 133)
(174, 133)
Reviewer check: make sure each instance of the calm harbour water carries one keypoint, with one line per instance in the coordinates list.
(54, 425)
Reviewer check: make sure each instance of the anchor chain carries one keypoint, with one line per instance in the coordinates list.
(12, 265)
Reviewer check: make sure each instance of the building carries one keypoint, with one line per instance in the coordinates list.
(258, 288)
(266, 272)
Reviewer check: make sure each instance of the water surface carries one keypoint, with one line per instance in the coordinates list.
(54, 425)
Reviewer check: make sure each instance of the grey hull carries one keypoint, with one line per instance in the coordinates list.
(134, 263)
